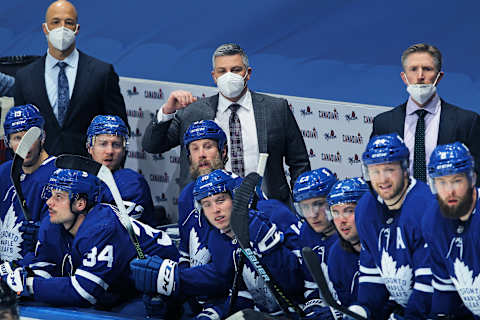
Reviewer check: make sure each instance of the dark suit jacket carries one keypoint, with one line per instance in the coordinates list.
(96, 91)
(277, 131)
(456, 124)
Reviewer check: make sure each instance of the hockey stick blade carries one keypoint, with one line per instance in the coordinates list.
(313, 265)
(68, 161)
(30, 137)
(239, 219)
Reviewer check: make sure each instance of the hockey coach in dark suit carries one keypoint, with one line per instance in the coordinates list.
(254, 123)
(426, 120)
(69, 87)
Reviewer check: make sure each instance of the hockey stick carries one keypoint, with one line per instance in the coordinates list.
(30, 137)
(67, 161)
(313, 265)
(260, 170)
(240, 224)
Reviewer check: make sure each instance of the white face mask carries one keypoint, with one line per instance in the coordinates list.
(231, 84)
(61, 38)
(422, 92)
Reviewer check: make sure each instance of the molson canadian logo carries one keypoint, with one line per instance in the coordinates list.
(332, 157)
(351, 116)
(311, 153)
(330, 135)
(153, 94)
(137, 154)
(331, 115)
(174, 159)
(135, 113)
(157, 157)
(368, 119)
(310, 133)
(306, 111)
(357, 139)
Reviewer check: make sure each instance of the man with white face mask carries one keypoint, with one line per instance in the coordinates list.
(69, 87)
(426, 120)
(254, 123)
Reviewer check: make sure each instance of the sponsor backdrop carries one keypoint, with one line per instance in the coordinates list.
(335, 134)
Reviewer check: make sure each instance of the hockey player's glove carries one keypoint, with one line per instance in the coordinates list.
(264, 237)
(364, 312)
(19, 281)
(210, 313)
(30, 234)
(155, 275)
(395, 316)
(314, 310)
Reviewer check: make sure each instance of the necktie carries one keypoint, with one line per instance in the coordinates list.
(236, 145)
(63, 93)
(419, 164)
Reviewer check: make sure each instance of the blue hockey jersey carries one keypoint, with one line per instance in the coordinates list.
(343, 273)
(136, 195)
(455, 261)
(321, 245)
(394, 257)
(11, 214)
(92, 268)
(269, 243)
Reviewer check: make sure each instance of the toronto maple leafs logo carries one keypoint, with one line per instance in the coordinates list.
(10, 237)
(468, 286)
(259, 291)
(398, 281)
(198, 257)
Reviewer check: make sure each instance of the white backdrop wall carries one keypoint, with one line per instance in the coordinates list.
(335, 134)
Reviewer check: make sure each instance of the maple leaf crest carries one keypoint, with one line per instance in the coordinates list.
(10, 237)
(398, 281)
(198, 257)
(468, 286)
(259, 291)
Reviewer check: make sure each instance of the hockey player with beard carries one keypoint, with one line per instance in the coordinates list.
(19, 236)
(344, 255)
(83, 251)
(394, 257)
(317, 232)
(107, 139)
(451, 228)
(213, 196)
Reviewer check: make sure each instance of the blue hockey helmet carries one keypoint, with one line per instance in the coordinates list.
(205, 129)
(449, 159)
(313, 184)
(107, 124)
(346, 191)
(74, 182)
(218, 181)
(385, 148)
(22, 118)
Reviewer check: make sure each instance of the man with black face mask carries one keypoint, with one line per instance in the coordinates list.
(69, 87)
(254, 123)
(426, 120)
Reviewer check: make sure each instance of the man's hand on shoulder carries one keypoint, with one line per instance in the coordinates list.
(177, 100)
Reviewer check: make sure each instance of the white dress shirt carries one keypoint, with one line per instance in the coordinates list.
(432, 124)
(51, 76)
